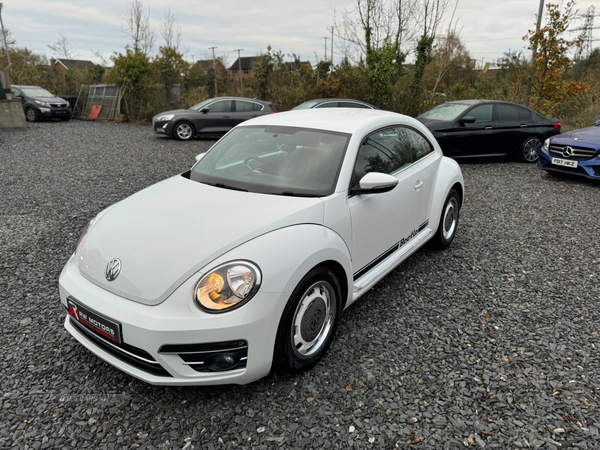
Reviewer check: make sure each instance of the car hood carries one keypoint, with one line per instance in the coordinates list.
(169, 231)
(436, 125)
(50, 99)
(175, 111)
(589, 136)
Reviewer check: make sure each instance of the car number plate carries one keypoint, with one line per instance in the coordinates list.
(94, 321)
(564, 162)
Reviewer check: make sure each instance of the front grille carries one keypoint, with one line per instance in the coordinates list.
(213, 357)
(133, 356)
(59, 105)
(579, 153)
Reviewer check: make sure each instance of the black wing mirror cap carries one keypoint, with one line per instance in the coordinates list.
(468, 119)
(205, 110)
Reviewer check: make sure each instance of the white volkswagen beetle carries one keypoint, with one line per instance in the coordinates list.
(249, 258)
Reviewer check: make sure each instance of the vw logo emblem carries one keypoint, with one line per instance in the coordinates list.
(113, 268)
(567, 152)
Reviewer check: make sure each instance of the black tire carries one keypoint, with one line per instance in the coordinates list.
(448, 222)
(530, 150)
(183, 131)
(31, 114)
(309, 321)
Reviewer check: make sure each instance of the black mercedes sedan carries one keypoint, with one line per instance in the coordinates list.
(38, 103)
(334, 103)
(469, 128)
(212, 117)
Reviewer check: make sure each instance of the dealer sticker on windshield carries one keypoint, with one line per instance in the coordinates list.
(564, 162)
(95, 322)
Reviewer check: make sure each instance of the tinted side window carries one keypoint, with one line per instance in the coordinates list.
(481, 113)
(257, 107)
(222, 106)
(15, 91)
(420, 146)
(328, 105)
(524, 115)
(243, 106)
(352, 105)
(507, 113)
(385, 151)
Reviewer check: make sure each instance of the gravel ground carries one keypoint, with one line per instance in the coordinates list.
(493, 343)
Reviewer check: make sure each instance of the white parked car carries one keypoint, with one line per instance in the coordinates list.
(249, 258)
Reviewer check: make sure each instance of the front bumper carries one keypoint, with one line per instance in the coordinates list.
(55, 113)
(589, 168)
(163, 127)
(177, 323)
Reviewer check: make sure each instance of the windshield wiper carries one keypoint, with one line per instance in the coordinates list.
(293, 194)
(226, 186)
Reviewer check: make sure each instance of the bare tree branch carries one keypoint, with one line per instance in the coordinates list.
(137, 27)
(63, 48)
(171, 31)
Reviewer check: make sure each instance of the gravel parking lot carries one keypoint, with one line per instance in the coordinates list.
(493, 343)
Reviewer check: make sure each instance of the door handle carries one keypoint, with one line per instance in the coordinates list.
(418, 185)
(524, 126)
(489, 127)
(226, 117)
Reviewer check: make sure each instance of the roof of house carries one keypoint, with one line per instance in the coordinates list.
(247, 62)
(74, 63)
(208, 64)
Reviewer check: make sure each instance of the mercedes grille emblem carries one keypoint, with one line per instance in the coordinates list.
(567, 152)
(113, 268)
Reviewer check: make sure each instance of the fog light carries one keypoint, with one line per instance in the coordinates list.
(45, 110)
(220, 362)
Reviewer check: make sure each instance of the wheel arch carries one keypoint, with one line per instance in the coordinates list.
(340, 273)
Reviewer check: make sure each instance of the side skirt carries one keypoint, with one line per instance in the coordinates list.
(389, 263)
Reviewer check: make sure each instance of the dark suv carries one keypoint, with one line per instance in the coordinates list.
(38, 103)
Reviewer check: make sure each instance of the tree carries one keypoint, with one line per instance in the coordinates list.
(137, 27)
(551, 61)
(170, 68)
(63, 47)
(133, 71)
(171, 31)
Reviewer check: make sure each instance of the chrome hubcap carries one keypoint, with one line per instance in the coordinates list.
(531, 150)
(184, 131)
(450, 218)
(313, 319)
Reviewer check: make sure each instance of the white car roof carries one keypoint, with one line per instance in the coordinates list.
(343, 120)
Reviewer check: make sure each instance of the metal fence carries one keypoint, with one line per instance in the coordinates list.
(108, 96)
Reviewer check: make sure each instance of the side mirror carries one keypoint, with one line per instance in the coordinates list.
(597, 123)
(375, 183)
(204, 110)
(468, 119)
(200, 156)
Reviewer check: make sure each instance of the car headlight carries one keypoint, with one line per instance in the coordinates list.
(546, 145)
(41, 103)
(227, 287)
(85, 232)
(165, 117)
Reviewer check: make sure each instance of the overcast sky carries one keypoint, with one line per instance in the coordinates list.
(488, 28)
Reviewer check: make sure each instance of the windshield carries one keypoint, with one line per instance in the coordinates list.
(446, 112)
(275, 160)
(36, 92)
(306, 105)
(201, 105)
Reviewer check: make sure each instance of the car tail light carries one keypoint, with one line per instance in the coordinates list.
(557, 126)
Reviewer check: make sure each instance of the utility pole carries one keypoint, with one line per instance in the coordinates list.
(240, 68)
(332, 46)
(214, 68)
(325, 59)
(4, 36)
(532, 71)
